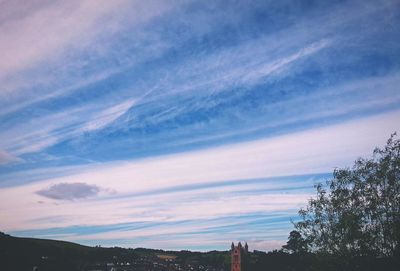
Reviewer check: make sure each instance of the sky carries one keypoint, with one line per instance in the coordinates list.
(186, 124)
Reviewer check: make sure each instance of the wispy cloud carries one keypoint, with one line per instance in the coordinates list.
(308, 152)
(108, 116)
(75, 19)
(55, 65)
(183, 91)
(90, 118)
(6, 158)
(27, 138)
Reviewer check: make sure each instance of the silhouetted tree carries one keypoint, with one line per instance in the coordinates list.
(358, 212)
(296, 243)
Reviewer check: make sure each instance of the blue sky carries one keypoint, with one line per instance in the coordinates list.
(186, 124)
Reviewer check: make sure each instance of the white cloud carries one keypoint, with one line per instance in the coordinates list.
(267, 245)
(65, 38)
(266, 69)
(318, 150)
(53, 128)
(6, 158)
(27, 40)
(107, 116)
(311, 151)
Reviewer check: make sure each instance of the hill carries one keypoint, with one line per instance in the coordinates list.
(27, 253)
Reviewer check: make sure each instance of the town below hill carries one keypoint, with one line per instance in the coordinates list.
(44, 255)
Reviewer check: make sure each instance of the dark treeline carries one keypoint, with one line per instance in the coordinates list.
(284, 261)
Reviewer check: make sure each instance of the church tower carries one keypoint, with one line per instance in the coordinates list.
(238, 257)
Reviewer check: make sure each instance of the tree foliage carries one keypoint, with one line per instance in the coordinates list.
(357, 212)
(296, 243)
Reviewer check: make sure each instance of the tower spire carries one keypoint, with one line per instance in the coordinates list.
(239, 257)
